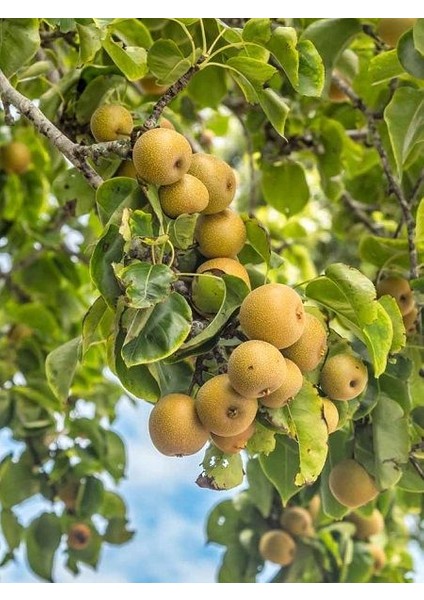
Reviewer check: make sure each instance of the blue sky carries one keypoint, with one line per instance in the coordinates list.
(167, 510)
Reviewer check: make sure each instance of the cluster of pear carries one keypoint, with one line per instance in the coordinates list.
(400, 290)
(15, 157)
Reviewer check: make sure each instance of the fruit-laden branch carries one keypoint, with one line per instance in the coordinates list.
(394, 186)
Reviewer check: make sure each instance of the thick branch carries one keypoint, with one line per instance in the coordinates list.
(46, 128)
(394, 186)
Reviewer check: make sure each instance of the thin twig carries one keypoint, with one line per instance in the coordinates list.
(379, 43)
(416, 190)
(417, 466)
(394, 186)
(360, 214)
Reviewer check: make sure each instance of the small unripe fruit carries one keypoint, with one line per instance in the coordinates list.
(79, 536)
(174, 426)
(351, 485)
(311, 347)
(331, 415)
(111, 122)
(367, 526)
(218, 177)
(235, 443)
(186, 196)
(401, 291)
(161, 156)
(15, 157)
(278, 547)
(150, 87)
(297, 521)
(314, 507)
(390, 30)
(220, 235)
(343, 377)
(273, 313)
(379, 557)
(166, 123)
(290, 387)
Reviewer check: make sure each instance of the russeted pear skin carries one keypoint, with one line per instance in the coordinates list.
(218, 177)
(399, 288)
(410, 321)
(79, 536)
(351, 485)
(273, 313)
(220, 235)
(379, 557)
(311, 347)
(229, 266)
(331, 415)
(188, 195)
(222, 410)
(314, 507)
(256, 368)
(111, 122)
(175, 428)
(235, 443)
(290, 387)
(15, 157)
(390, 30)
(367, 526)
(278, 547)
(297, 521)
(161, 156)
(343, 377)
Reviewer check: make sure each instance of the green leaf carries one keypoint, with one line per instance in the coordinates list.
(419, 230)
(96, 324)
(220, 471)
(239, 565)
(262, 441)
(90, 497)
(131, 60)
(390, 441)
(60, 367)
(409, 57)
(11, 529)
(93, 95)
(284, 187)
(90, 42)
(161, 334)
(311, 69)
(109, 249)
(259, 239)
(117, 532)
(115, 458)
(173, 377)
(378, 337)
(281, 467)
(116, 194)
(131, 31)
(275, 109)
(418, 32)
(223, 524)
(283, 47)
(166, 61)
(311, 433)
(378, 251)
(356, 288)
(256, 71)
(384, 67)
(339, 448)
(19, 41)
(208, 87)
(181, 231)
(43, 538)
(17, 483)
(137, 380)
(392, 309)
(70, 186)
(404, 116)
(113, 506)
(145, 284)
(411, 480)
(261, 491)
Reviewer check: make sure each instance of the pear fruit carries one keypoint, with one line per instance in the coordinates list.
(367, 526)
(297, 521)
(256, 368)
(390, 30)
(273, 313)
(111, 122)
(351, 484)
(174, 426)
(343, 377)
(126, 169)
(166, 123)
(331, 415)
(220, 235)
(188, 195)
(278, 547)
(15, 158)
(219, 179)
(379, 557)
(161, 156)
(79, 536)
(288, 389)
(314, 507)
(150, 86)
(410, 321)
(309, 350)
(399, 288)
(234, 443)
(222, 410)
(208, 293)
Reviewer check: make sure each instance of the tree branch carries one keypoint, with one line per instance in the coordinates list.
(360, 214)
(394, 186)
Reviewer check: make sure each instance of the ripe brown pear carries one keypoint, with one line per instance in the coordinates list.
(256, 368)
(343, 377)
(150, 86)
(188, 195)
(222, 410)
(379, 557)
(288, 389)
(207, 296)
(390, 30)
(220, 235)
(314, 507)
(278, 547)
(297, 521)
(235, 443)
(174, 426)
(111, 122)
(161, 156)
(79, 536)
(311, 347)
(351, 485)
(331, 415)
(336, 95)
(273, 313)
(218, 177)
(367, 526)
(410, 321)
(15, 157)
(166, 123)
(399, 288)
